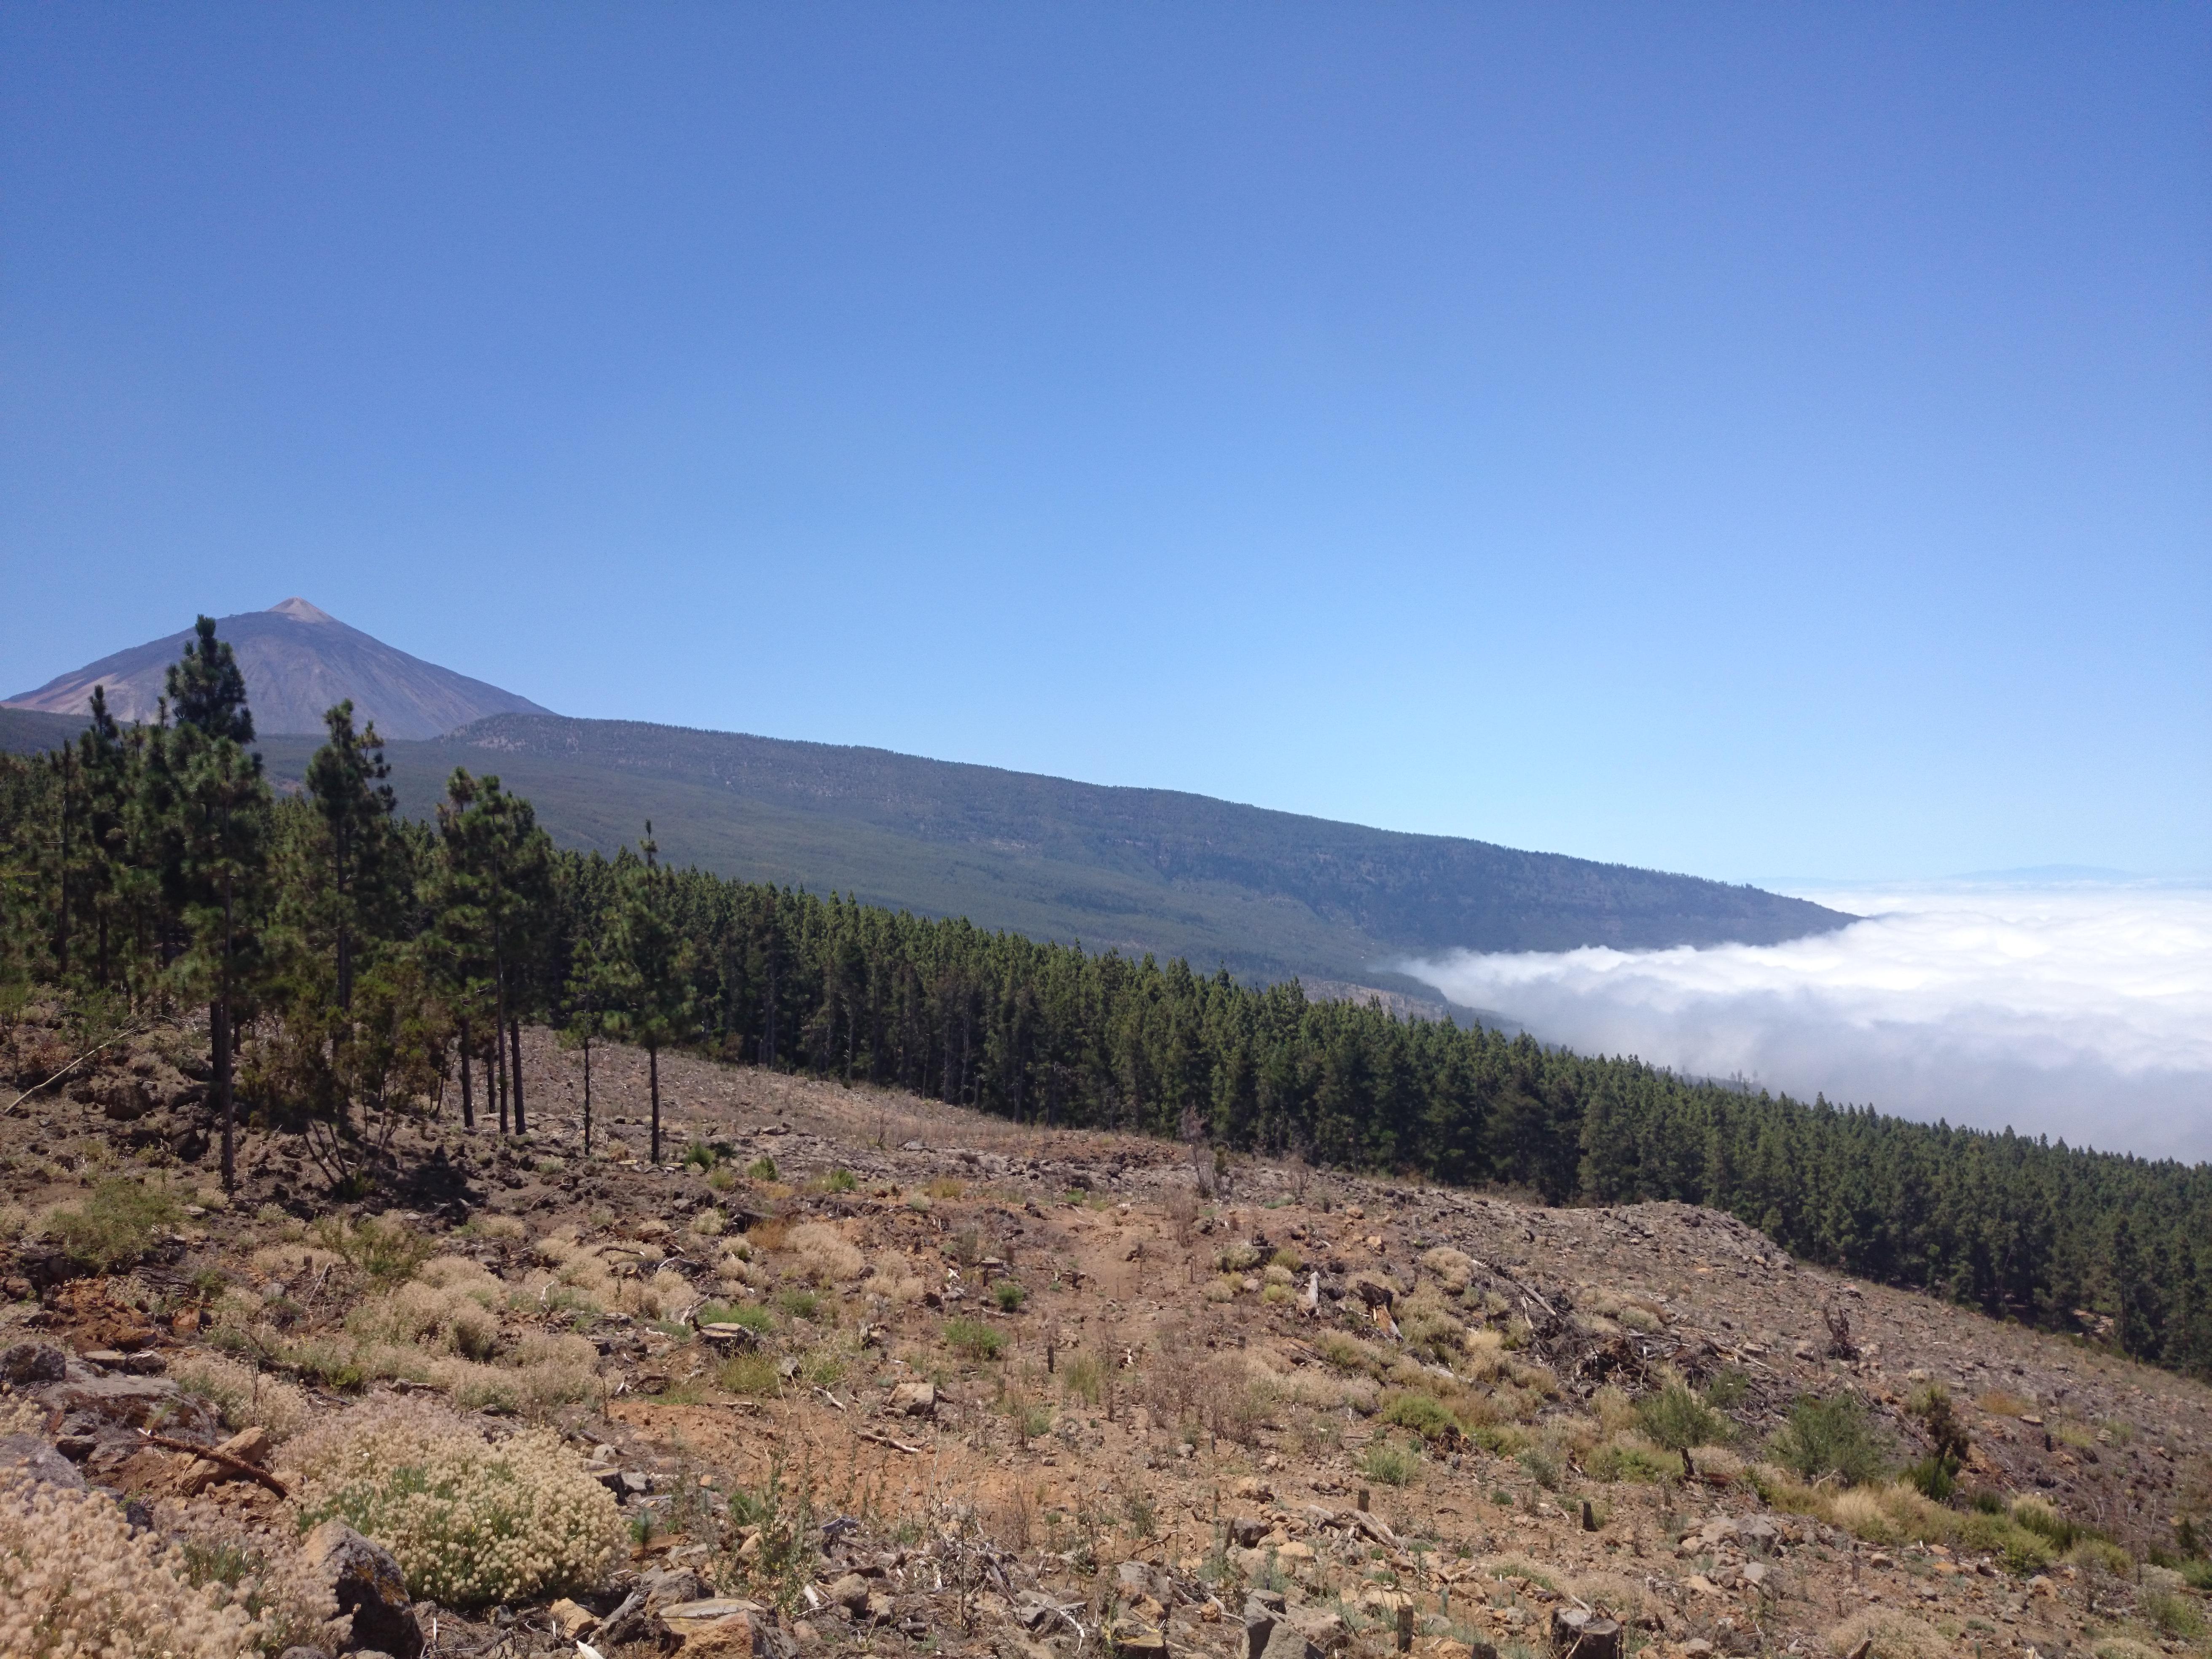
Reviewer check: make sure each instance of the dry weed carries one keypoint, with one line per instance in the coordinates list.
(1894, 1635)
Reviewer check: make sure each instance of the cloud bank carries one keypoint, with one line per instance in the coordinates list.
(2081, 1009)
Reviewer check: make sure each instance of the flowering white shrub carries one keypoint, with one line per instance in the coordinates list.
(75, 1582)
(469, 1520)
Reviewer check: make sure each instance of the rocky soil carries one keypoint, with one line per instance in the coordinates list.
(1173, 1435)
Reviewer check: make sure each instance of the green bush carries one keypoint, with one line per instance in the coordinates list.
(1829, 1436)
(1727, 1388)
(840, 1180)
(1390, 1463)
(762, 1168)
(2174, 1615)
(1615, 1462)
(799, 1304)
(974, 1338)
(751, 1315)
(1543, 1468)
(115, 1226)
(1424, 1414)
(1677, 1419)
(1934, 1475)
(752, 1375)
(387, 1251)
(1008, 1295)
(1083, 1377)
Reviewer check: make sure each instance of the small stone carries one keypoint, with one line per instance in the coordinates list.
(570, 1619)
(249, 1445)
(913, 1400)
(850, 1593)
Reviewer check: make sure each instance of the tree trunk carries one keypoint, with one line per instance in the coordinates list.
(514, 1048)
(219, 1019)
(468, 1101)
(652, 1075)
(62, 934)
(587, 1094)
(495, 1064)
(219, 1028)
(499, 1025)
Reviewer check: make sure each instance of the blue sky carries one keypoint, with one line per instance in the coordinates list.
(1762, 442)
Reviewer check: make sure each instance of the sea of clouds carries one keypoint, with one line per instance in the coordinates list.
(2074, 1009)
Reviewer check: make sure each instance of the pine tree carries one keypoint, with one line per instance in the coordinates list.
(220, 847)
(647, 979)
(345, 781)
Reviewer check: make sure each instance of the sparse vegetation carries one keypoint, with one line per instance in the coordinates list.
(973, 1338)
(1830, 1436)
(116, 1225)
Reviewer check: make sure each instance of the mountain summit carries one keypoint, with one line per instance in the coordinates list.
(298, 659)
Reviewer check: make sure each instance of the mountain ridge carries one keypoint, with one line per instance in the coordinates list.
(1266, 893)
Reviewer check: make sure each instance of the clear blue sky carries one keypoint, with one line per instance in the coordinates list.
(1748, 439)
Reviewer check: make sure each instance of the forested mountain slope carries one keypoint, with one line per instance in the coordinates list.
(1267, 893)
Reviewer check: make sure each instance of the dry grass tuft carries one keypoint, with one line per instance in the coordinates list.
(1453, 1269)
(825, 1256)
(1894, 1634)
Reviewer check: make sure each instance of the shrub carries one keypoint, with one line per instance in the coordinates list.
(826, 1255)
(74, 1580)
(709, 1223)
(799, 1304)
(1676, 1420)
(1543, 1467)
(1083, 1377)
(1726, 1389)
(753, 1374)
(1424, 1414)
(469, 1522)
(1829, 1436)
(698, 1156)
(2174, 1615)
(1390, 1463)
(241, 1395)
(751, 1315)
(1236, 1257)
(1630, 1459)
(387, 1251)
(973, 1338)
(1008, 1295)
(840, 1180)
(762, 1168)
(115, 1226)
(1452, 1268)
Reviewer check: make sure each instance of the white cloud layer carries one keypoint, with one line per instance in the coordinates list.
(2081, 1009)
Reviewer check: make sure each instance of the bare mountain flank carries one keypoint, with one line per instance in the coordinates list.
(299, 660)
